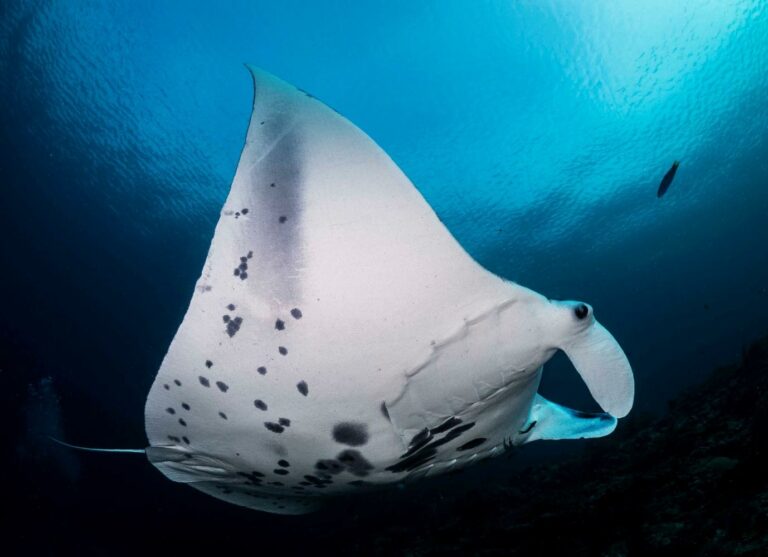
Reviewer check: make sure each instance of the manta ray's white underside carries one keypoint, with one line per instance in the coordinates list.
(340, 337)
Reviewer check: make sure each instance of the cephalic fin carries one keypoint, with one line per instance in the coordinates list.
(549, 420)
(602, 364)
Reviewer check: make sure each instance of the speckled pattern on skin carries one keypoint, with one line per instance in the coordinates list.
(330, 299)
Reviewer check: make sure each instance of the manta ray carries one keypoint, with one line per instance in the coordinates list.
(339, 338)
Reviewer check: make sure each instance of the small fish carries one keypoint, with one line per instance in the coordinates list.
(667, 179)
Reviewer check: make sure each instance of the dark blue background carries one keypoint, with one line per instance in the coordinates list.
(538, 133)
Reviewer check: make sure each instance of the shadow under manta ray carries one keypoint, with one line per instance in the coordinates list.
(340, 338)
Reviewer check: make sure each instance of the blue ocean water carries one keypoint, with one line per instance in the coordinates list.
(538, 132)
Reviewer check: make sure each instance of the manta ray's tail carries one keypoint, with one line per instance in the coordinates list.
(96, 450)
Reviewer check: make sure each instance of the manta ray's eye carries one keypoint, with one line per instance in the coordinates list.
(581, 311)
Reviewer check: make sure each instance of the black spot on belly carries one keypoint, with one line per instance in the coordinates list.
(330, 466)
(283, 350)
(177, 382)
(222, 415)
(302, 387)
(296, 313)
(453, 434)
(174, 439)
(262, 370)
(223, 387)
(279, 324)
(208, 363)
(353, 434)
(472, 444)
(170, 410)
(240, 270)
(225, 318)
(446, 425)
(204, 381)
(355, 462)
(186, 440)
(414, 461)
(280, 471)
(167, 387)
(260, 404)
(254, 477)
(231, 307)
(420, 438)
(284, 422)
(182, 422)
(282, 219)
(284, 463)
(250, 254)
(345, 457)
(272, 426)
(424, 451)
(185, 406)
(234, 325)
(244, 211)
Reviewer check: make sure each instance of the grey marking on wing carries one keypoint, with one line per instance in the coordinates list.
(280, 242)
